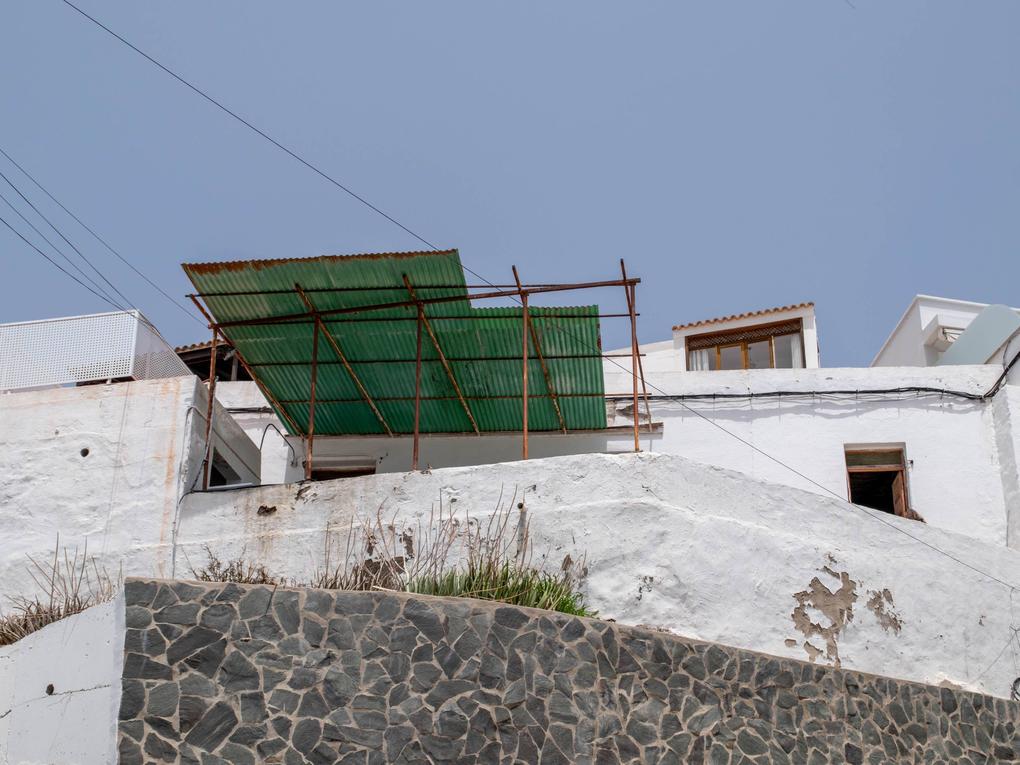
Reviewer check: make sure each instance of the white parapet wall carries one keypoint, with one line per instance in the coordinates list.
(960, 463)
(103, 467)
(961, 454)
(60, 690)
(671, 543)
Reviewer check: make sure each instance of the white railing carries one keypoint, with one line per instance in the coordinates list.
(81, 349)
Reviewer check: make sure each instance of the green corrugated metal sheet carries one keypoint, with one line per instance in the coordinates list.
(280, 353)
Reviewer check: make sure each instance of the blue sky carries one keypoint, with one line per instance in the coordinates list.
(739, 155)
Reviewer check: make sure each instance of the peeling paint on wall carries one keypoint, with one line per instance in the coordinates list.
(880, 603)
(834, 609)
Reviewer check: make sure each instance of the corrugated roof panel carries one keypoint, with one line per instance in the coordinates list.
(482, 344)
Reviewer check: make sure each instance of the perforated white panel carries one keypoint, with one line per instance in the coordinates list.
(104, 346)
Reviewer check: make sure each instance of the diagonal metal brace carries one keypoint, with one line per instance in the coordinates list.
(442, 356)
(343, 359)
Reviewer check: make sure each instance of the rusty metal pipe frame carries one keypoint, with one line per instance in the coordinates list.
(524, 363)
(456, 359)
(343, 360)
(423, 320)
(447, 398)
(640, 364)
(417, 396)
(423, 301)
(295, 430)
(636, 350)
(381, 288)
(310, 441)
(634, 371)
(381, 320)
(541, 360)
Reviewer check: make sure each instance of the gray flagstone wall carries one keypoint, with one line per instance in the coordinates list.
(234, 674)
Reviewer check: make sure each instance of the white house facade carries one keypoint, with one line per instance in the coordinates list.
(766, 485)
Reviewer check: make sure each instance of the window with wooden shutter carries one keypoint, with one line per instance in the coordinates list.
(877, 478)
(764, 346)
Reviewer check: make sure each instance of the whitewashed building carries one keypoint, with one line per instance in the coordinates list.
(764, 481)
(930, 327)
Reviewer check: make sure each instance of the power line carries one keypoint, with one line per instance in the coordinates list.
(56, 264)
(253, 128)
(420, 238)
(61, 235)
(101, 294)
(867, 511)
(98, 238)
(104, 294)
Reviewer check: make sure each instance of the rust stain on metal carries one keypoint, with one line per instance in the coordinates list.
(835, 608)
(882, 606)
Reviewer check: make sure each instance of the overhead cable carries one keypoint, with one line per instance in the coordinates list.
(420, 238)
(98, 238)
(97, 288)
(61, 235)
(293, 154)
(57, 265)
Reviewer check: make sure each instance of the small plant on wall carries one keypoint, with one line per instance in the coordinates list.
(72, 581)
(444, 555)
(237, 570)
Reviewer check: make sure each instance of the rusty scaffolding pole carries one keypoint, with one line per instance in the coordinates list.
(520, 290)
(310, 442)
(632, 309)
(423, 320)
(417, 393)
(335, 345)
(541, 361)
(524, 364)
(248, 368)
(531, 290)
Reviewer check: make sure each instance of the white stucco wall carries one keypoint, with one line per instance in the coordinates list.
(82, 657)
(956, 447)
(961, 453)
(145, 444)
(699, 550)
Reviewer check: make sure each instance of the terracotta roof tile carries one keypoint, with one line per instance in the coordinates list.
(748, 315)
(200, 346)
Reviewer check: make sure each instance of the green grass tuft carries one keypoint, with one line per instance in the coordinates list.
(507, 583)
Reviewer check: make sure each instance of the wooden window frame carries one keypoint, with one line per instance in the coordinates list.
(718, 340)
(891, 467)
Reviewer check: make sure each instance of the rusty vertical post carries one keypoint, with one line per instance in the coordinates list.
(524, 363)
(310, 448)
(632, 307)
(636, 359)
(633, 357)
(417, 393)
(207, 464)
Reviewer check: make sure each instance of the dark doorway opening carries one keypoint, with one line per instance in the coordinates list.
(877, 478)
(877, 490)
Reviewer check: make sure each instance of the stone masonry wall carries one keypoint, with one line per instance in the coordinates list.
(218, 674)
